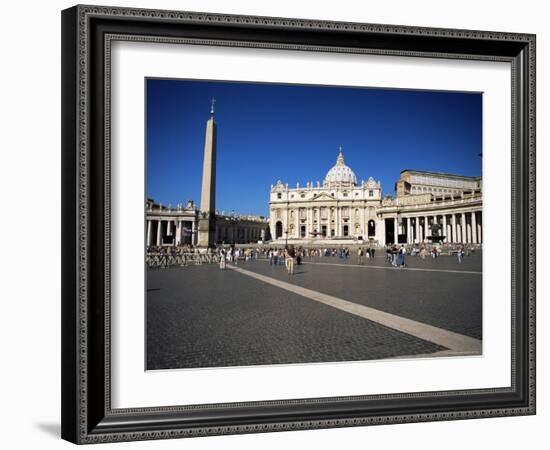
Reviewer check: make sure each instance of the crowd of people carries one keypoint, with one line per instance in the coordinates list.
(396, 254)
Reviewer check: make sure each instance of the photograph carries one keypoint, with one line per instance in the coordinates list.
(301, 224)
(282, 220)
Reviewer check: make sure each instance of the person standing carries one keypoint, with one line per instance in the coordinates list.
(459, 254)
(394, 252)
(360, 255)
(222, 259)
(285, 256)
(290, 255)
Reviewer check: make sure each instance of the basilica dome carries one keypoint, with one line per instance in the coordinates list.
(340, 173)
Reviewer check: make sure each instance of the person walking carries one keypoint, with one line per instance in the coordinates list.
(360, 255)
(402, 252)
(222, 259)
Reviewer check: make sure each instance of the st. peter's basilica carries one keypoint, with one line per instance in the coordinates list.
(427, 207)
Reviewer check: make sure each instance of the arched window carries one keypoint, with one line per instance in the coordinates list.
(278, 230)
(371, 228)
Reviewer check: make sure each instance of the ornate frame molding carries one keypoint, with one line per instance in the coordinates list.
(88, 32)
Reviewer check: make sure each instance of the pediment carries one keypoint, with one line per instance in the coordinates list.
(323, 196)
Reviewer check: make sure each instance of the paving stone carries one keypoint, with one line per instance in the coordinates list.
(200, 316)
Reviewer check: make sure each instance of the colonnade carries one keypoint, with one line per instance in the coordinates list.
(169, 231)
(457, 226)
(460, 227)
(178, 231)
(234, 233)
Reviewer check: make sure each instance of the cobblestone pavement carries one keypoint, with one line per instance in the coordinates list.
(200, 316)
(437, 296)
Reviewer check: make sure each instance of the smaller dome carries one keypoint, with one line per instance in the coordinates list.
(340, 173)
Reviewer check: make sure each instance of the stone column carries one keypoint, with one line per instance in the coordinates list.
(453, 220)
(479, 227)
(395, 230)
(417, 227)
(426, 228)
(159, 232)
(445, 228)
(287, 224)
(329, 218)
(380, 231)
(149, 237)
(316, 220)
(463, 227)
(193, 233)
(168, 228)
(178, 233)
(474, 226)
(362, 231)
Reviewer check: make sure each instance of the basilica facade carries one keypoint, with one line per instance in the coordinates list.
(427, 207)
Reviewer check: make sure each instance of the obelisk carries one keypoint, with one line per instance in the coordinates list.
(207, 212)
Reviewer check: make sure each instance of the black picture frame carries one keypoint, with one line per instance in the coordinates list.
(87, 416)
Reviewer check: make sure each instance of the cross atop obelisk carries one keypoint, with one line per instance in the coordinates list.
(212, 104)
(207, 217)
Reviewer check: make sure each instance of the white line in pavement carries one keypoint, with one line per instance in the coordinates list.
(453, 341)
(367, 266)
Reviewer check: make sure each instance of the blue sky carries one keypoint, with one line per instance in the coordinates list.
(268, 132)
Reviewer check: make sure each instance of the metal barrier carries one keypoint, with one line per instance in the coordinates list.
(160, 261)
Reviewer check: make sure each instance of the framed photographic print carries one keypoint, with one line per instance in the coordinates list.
(280, 224)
